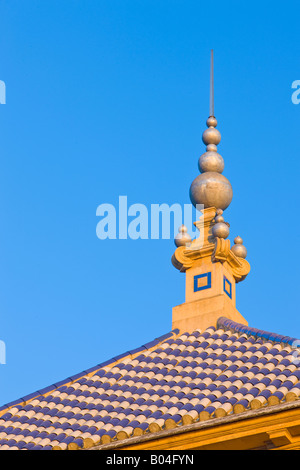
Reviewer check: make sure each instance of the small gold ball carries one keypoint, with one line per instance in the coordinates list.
(211, 148)
(219, 218)
(238, 248)
(182, 238)
(211, 121)
(220, 229)
(211, 136)
(211, 161)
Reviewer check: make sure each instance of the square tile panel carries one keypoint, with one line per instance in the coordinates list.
(227, 287)
(202, 282)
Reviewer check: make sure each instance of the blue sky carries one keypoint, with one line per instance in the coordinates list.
(108, 98)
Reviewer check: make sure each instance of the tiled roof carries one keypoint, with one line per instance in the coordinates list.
(176, 380)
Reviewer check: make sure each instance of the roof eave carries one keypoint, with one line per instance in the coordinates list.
(134, 442)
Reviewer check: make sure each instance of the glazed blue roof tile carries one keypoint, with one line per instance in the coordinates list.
(179, 377)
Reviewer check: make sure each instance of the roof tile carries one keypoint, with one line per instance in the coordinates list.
(171, 381)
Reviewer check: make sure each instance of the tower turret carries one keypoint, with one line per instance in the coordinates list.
(212, 267)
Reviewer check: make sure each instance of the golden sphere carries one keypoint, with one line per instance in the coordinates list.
(220, 230)
(212, 190)
(182, 238)
(211, 148)
(211, 121)
(238, 248)
(219, 218)
(211, 136)
(211, 161)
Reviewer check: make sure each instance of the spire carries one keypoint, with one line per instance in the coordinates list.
(211, 188)
(211, 104)
(211, 265)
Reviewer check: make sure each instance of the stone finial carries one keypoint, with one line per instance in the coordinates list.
(182, 238)
(238, 248)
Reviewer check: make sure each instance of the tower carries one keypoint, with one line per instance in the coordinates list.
(212, 265)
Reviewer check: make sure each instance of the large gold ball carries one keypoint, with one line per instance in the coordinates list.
(212, 190)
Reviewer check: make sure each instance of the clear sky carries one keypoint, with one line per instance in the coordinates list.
(108, 98)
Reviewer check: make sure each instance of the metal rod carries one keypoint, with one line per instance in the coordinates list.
(212, 84)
